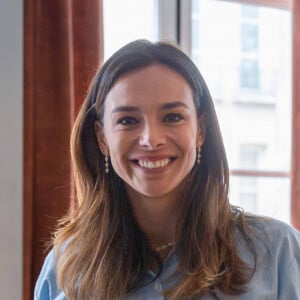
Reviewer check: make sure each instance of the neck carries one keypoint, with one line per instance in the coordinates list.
(156, 216)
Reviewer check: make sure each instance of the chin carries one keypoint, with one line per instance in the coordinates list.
(156, 193)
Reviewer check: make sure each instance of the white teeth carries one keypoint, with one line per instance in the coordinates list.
(157, 164)
(153, 164)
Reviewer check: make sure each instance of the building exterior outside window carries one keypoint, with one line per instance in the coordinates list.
(243, 52)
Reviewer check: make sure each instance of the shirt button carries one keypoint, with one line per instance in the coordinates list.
(157, 286)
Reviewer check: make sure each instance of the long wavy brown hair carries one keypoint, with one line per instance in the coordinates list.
(101, 252)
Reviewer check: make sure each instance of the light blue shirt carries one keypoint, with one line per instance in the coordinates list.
(276, 276)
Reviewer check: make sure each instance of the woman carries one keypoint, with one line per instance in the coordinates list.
(153, 219)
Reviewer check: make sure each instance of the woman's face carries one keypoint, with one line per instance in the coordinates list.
(150, 130)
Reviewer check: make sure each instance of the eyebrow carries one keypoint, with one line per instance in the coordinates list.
(175, 104)
(125, 108)
(165, 106)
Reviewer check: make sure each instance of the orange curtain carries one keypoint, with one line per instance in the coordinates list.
(63, 46)
(295, 205)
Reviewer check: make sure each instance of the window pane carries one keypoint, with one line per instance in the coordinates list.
(264, 196)
(249, 37)
(244, 53)
(249, 74)
(249, 11)
(125, 21)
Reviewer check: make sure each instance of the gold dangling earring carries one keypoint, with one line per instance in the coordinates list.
(106, 164)
(199, 156)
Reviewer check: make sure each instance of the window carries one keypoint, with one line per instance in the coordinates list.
(244, 53)
(125, 21)
(249, 74)
(250, 157)
(249, 37)
(249, 11)
(248, 193)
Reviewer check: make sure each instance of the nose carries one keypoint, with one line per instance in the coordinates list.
(152, 136)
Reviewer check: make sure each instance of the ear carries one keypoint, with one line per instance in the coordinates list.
(101, 138)
(201, 132)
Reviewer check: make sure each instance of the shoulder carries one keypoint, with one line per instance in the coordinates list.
(277, 246)
(273, 226)
(46, 286)
(284, 245)
(279, 236)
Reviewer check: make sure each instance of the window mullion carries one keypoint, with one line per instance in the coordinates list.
(167, 20)
(185, 25)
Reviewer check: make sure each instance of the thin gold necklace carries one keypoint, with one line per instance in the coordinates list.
(165, 247)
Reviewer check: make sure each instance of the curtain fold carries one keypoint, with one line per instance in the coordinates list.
(63, 47)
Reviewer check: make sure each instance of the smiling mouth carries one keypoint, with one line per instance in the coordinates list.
(153, 164)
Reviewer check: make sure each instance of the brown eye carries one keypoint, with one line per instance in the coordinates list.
(127, 121)
(170, 118)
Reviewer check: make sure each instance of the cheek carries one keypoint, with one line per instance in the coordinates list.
(192, 155)
(190, 149)
(115, 150)
(189, 142)
(118, 151)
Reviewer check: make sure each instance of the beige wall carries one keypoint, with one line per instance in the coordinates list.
(11, 126)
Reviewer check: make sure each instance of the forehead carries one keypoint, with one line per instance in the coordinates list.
(153, 85)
